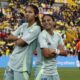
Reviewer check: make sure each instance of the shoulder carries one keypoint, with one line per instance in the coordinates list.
(43, 33)
(23, 25)
(36, 27)
(57, 34)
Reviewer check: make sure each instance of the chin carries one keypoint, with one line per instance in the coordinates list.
(47, 28)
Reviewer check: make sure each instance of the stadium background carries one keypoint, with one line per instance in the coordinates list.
(67, 66)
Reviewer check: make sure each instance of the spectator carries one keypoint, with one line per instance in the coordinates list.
(1, 13)
(78, 51)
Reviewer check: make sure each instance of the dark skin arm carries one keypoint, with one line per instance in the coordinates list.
(49, 53)
(62, 51)
(17, 41)
(11, 38)
(20, 42)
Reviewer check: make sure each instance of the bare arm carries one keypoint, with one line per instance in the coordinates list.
(48, 53)
(20, 42)
(12, 38)
(17, 41)
(62, 51)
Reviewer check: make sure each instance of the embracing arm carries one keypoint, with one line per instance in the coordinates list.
(62, 52)
(17, 41)
(12, 38)
(20, 42)
(48, 52)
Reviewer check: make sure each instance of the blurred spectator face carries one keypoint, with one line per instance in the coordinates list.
(0, 10)
(1, 13)
(1, 20)
(18, 17)
(11, 22)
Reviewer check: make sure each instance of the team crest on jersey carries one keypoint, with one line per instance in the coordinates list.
(49, 43)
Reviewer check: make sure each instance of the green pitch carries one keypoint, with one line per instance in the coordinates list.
(65, 74)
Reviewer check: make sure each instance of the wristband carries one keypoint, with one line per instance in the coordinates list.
(57, 51)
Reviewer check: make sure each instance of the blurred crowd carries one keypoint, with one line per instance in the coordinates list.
(67, 18)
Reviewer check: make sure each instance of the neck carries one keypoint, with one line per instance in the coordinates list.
(30, 23)
(50, 31)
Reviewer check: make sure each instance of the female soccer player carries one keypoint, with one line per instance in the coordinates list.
(51, 45)
(25, 40)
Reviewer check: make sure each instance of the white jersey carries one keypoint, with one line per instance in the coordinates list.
(21, 57)
(48, 41)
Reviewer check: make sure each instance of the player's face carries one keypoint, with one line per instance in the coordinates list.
(47, 22)
(30, 15)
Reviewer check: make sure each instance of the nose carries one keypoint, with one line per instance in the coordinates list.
(27, 15)
(46, 21)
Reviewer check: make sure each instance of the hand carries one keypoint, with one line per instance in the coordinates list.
(52, 51)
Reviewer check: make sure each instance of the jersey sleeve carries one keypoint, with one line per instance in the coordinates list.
(31, 35)
(60, 41)
(17, 32)
(42, 41)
